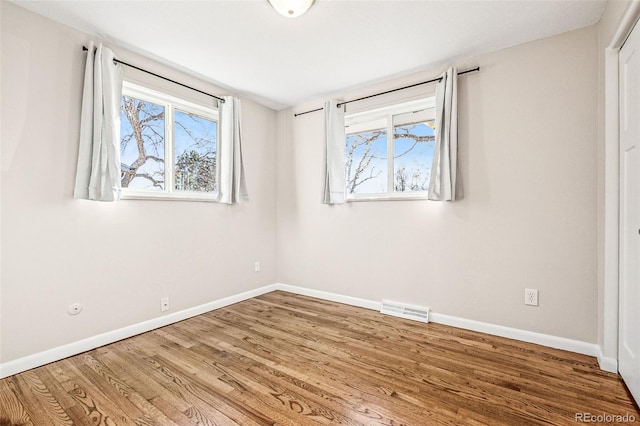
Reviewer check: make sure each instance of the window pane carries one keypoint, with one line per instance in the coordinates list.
(195, 140)
(141, 144)
(412, 155)
(366, 162)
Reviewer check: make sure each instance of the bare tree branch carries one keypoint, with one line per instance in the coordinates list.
(359, 170)
(195, 168)
(156, 183)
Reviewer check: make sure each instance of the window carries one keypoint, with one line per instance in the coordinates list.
(168, 146)
(389, 151)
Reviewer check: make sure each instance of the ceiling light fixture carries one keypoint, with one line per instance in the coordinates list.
(291, 8)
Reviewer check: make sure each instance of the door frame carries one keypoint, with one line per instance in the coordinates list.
(609, 212)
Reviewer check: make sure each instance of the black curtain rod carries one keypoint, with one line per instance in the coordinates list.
(118, 61)
(388, 91)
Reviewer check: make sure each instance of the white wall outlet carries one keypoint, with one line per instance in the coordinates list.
(164, 304)
(74, 309)
(531, 296)
(256, 266)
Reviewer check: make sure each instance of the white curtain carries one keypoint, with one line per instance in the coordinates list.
(98, 171)
(231, 183)
(442, 185)
(335, 179)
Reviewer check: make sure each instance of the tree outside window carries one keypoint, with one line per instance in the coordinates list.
(167, 146)
(376, 164)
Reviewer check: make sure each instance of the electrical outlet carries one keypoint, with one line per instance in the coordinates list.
(164, 304)
(256, 266)
(531, 296)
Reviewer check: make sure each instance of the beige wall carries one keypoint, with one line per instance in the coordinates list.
(117, 259)
(528, 130)
(529, 217)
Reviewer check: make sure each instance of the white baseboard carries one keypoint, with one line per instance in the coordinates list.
(41, 358)
(607, 363)
(571, 345)
(333, 297)
(563, 343)
(36, 360)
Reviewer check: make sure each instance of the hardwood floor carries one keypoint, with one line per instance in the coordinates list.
(292, 360)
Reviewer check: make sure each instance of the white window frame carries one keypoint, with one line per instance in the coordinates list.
(379, 118)
(170, 104)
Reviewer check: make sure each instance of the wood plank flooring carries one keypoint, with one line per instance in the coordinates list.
(284, 359)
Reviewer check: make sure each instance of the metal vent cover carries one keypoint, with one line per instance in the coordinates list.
(402, 310)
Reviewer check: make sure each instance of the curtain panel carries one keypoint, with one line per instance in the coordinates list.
(443, 182)
(334, 176)
(98, 170)
(231, 181)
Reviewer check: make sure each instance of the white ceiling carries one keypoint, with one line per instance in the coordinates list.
(337, 45)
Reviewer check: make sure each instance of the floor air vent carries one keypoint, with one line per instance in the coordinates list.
(417, 313)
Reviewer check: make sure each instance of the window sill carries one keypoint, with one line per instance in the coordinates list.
(388, 197)
(168, 196)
